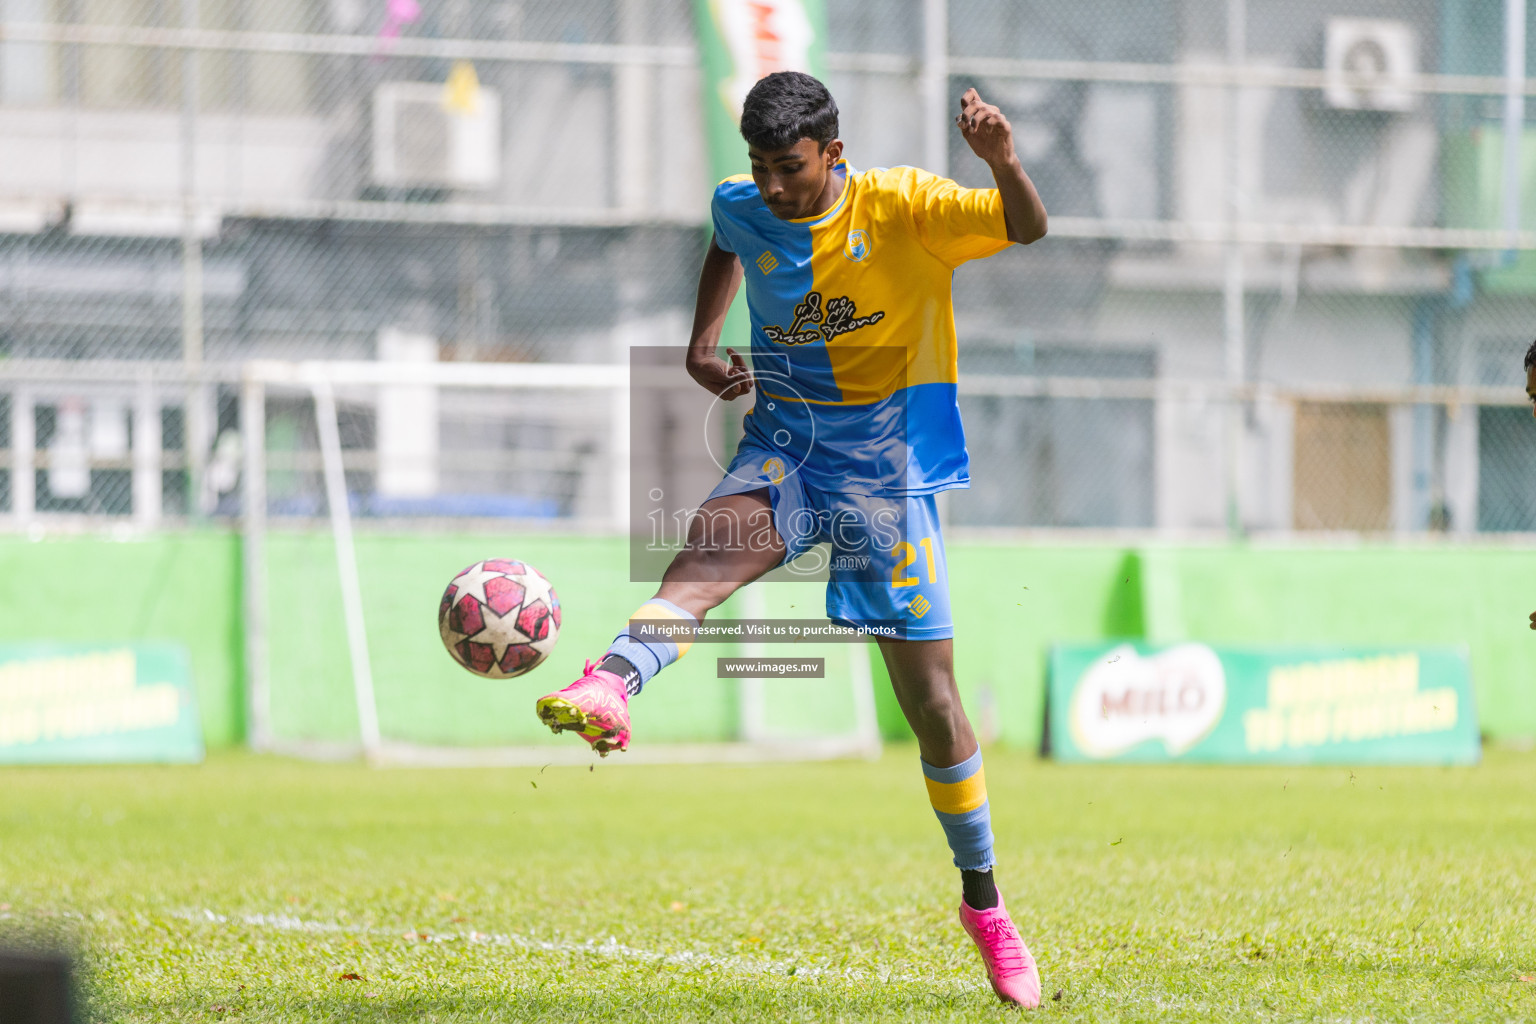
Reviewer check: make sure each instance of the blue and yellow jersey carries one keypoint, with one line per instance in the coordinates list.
(853, 328)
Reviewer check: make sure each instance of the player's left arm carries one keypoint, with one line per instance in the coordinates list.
(990, 137)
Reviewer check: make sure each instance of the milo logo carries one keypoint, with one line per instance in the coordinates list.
(1176, 696)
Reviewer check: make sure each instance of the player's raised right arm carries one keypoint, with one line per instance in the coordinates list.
(718, 282)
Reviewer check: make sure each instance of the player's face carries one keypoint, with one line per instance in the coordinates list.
(795, 181)
(1530, 390)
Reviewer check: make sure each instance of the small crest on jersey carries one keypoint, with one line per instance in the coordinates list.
(857, 247)
(774, 470)
(919, 606)
(767, 261)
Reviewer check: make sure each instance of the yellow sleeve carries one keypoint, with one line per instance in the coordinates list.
(957, 224)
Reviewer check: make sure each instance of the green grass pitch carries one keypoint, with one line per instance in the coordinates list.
(256, 889)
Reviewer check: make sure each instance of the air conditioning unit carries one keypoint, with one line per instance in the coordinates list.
(421, 141)
(1369, 64)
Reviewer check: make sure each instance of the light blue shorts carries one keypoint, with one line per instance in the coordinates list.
(886, 567)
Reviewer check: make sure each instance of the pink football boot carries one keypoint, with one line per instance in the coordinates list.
(596, 706)
(1010, 968)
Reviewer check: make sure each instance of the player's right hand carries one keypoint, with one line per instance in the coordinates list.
(727, 380)
(1533, 620)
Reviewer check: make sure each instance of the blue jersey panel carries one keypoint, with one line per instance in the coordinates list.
(777, 274)
(865, 449)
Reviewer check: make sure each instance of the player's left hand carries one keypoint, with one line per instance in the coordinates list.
(1533, 620)
(985, 129)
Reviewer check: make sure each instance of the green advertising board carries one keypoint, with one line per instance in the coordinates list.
(93, 703)
(1131, 701)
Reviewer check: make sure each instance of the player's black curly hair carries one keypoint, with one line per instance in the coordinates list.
(784, 108)
(1530, 357)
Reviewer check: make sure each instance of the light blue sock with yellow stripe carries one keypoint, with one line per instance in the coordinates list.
(648, 651)
(959, 798)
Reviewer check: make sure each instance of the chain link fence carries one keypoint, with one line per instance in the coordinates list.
(1288, 286)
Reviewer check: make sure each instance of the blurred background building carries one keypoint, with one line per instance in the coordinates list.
(1288, 283)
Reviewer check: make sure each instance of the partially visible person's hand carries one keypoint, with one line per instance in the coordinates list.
(985, 129)
(727, 380)
(1533, 620)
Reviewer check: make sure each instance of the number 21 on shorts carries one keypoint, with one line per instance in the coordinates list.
(908, 555)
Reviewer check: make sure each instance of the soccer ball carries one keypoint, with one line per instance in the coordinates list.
(499, 618)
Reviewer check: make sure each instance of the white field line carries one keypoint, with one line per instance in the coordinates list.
(609, 947)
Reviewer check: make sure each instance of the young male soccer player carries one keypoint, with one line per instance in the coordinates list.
(855, 429)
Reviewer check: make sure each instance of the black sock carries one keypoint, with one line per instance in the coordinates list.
(622, 668)
(980, 892)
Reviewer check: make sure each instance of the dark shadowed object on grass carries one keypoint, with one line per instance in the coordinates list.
(34, 988)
